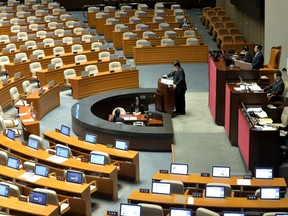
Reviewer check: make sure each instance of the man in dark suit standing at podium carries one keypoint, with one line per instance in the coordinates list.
(179, 86)
(258, 59)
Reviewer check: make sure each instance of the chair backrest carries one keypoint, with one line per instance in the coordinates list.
(115, 65)
(70, 155)
(15, 29)
(134, 19)
(52, 198)
(104, 55)
(229, 24)
(69, 73)
(109, 8)
(22, 35)
(78, 30)
(80, 58)
(125, 8)
(93, 69)
(106, 156)
(157, 19)
(126, 35)
(14, 189)
(142, 7)
(121, 14)
(2, 125)
(175, 6)
(275, 55)
(205, 212)
(27, 88)
(21, 55)
(93, 9)
(68, 40)
(284, 115)
(122, 110)
(52, 25)
(148, 34)
(41, 34)
(39, 53)
(167, 42)
(189, 33)
(76, 48)
(40, 140)
(14, 94)
(227, 39)
(58, 50)
(177, 187)
(95, 45)
(86, 38)
(48, 42)
(140, 13)
(100, 15)
(31, 44)
(35, 66)
(151, 209)
(4, 39)
(11, 46)
(33, 27)
(142, 42)
(57, 61)
(159, 12)
(4, 60)
(164, 26)
(238, 38)
(70, 23)
(170, 34)
(178, 12)
(3, 155)
(59, 32)
(158, 6)
(227, 187)
(29, 166)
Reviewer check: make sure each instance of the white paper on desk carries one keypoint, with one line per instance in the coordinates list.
(262, 114)
(255, 88)
(133, 118)
(268, 128)
(126, 118)
(241, 88)
(28, 120)
(167, 81)
(243, 182)
(254, 109)
(23, 114)
(56, 159)
(190, 200)
(26, 175)
(34, 178)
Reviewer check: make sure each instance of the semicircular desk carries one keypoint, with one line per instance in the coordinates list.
(91, 115)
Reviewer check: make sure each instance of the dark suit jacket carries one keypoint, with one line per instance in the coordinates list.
(248, 57)
(179, 80)
(276, 88)
(258, 61)
(118, 119)
(141, 108)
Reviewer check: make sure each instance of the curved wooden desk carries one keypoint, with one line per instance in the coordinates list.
(29, 124)
(104, 81)
(88, 115)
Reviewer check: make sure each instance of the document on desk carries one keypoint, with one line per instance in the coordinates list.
(23, 114)
(29, 176)
(190, 200)
(28, 120)
(243, 182)
(167, 81)
(133, 118)
(56, 159)
(126, 118)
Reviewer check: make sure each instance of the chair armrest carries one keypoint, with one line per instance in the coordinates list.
(52, 174)
(93, 186)
(186, 192)
(12, 122)
(64, 206)
(274, 98)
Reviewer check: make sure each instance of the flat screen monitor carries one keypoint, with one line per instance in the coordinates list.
(226, 213)
(65, 130)
(84, 74)
(11, 134)
(122, 144)
(215, 191)
(180, 212)
(74, 177)
(13, 163)
(263, 173)
(161, 188)
(38, 198)
(270, 193)
(4, 190)
(91, 138)
(51, 84)
(282, 214)
(34, 114)
(221, 171)
(127, 209)
(62, 151)
(179, 169)
(17, 75)
(33, 143)
(41, 170)
(97, 159)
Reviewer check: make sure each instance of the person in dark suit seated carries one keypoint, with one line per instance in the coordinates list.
(136, 107)
(117, 117)
(247, 55)
(276, 88)
(258, 59)
(184, 22)
(179, 86)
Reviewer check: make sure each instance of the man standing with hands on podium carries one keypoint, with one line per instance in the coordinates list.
(179, 86)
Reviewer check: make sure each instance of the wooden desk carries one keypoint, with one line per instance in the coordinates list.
(6, 101)
(29, 126)
(219, 205)
(104, 81)
(166, 54)
(81, 191)
(129, 119)
(46, 102)
(57, 75)
(129, 160)
(14, 204)
(232, 101)
(107, 182)
(164, 98)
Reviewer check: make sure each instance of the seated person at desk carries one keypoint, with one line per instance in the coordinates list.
(258, 60)
(276, 88)
(184, 22)
(117, 117)
(136, 107)
(247, 56)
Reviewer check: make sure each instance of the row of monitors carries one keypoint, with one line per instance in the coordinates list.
(127, 209)
(214, 191)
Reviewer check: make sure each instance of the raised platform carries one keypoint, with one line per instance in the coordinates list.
(91, 115)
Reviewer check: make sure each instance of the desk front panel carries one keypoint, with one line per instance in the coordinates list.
(162, 55)
(104, 81)
(29, 127)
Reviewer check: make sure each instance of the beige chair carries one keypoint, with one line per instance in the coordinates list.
(11, 47)
(70, 155)
(96, 45)
(170, 34)
(40, 53)
(86, 38)
(109, 8)
(93, 9)
(142, 7)
(4, 39)
(64, 17)
(80, 59)
(119, 14)
(48, 18)
(140, 26)
(125, 8)
(157, 19)
(39, 13)
(177, 187)
(14, 189)
(76, 48)
(3, 157)
(58, 50)
(134, 19)
(159, 12)
(4, 128)
(205, 212)
(31, 44)
(70, 24)
(15, 29)
(104, 56)
(284, 118)
(14, 21)
(158, 6)
(167, 42)
(22, 56)
(122, 110)
(112, 20)
(34, 67)
(127, 35)
(67, 40)
(115, 66)
(142, 42)
(78, 31)
(151, 209)
(189, 33)
(10, 119)
(42, 144)
(22, 36)
(57, 61)
(69, 73)
(52, 25)
(93, 69)
(140, 13)
(33, 27)
(175, 6)
(4, 60)
(178, 12)
(48, 42)
(227, 188)
(59, 32)
(148, 34)
(17, 99)
(27, 88)
(164, 26)
(41, 34)
(31, 19)
(101, 15)
(274, 61)
(29, 166)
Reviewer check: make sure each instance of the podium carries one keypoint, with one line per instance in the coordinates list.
(164, 98)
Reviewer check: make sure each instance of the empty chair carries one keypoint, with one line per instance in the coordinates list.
(93, 9)
(142, 7)
(134, 19)
(48, 18)
(31, 44)
(78, 31)
(30, 2)
(175, 6)
(125, 8)
(52, 5)
(142, 42)
(140, 13)
(228, 191)
(31, 19)
(9, 120)
(70, 23)
(21, 14)
(112, 20)
(101, 15)
(119, 27)
(69, 73)
(4, 39)
(64, 17)
(56, 11)
(189, 33)
(205, 212)
(40, 53)
(52, 25)
(151, 209)
(57, 61)
(148, 34)
(158, 5)
(76, 48)
(127, 35)
(27, 88)
(178, 12)
(170, 34)
(22, 36)
(93, 69)
(15, 28)
(11, 47)
(217, 26)
(80, 58)
(192, 41)
(115, 66)
(41, 34)
(29, 166)
(177, 187)
(70, 155)
(22, 56)
(141, 26)
(67, 40)
(48, 42)
(41, 143)
(157, 19)
(96, 45)
(3, 128)
(104, 55)
(225, 19)
(122, 111)
(159, 12)
(14, 189)
(86, 38)
(167, 42)
(59, 32)
(37, 7)
(14, 21)
(238, 39)
(234, 31)
(33, 27)
(3, 156)
(164, 26)
(39, 12)
(4, 60)
(58, 50)
(119, 14)
(229, 24)
(109, 8)
(34, 67)
(17, 99)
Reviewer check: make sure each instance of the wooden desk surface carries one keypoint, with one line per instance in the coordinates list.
(29, 208)
(166, 54)
(141, 117)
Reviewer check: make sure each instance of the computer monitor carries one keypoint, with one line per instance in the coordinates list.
(226, 213)
(179, 169)
(91, 138)
(84, 74)
(38, 198)
(180, 212)
(270, 193)
(214, 191)
(10, 134)
(65, 130)
(263, 172)
(127, 209)
(97, 159)
(41, 170)
(17, 75)
(34, 114)
(13, 163)
(33, 143)
(51, 84)
(221, 171)
(122, 144)
(161, 188)
(4, 190)
(282, 214)
(62, 151)
(74, 177)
